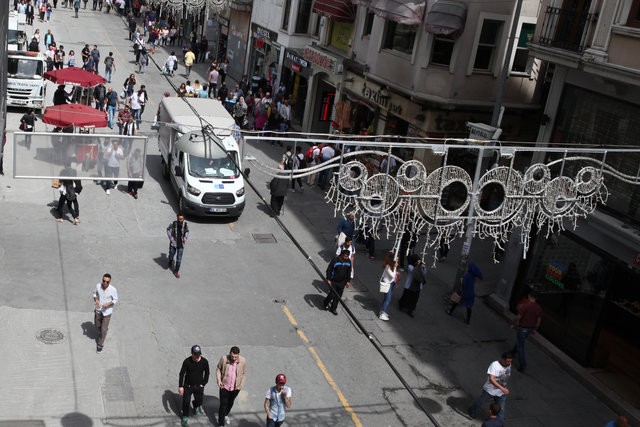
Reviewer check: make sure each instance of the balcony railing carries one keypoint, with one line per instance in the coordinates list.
(567, 29)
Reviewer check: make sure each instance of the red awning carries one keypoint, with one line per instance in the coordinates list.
(338, 10)
(74, 76)
(77, 115)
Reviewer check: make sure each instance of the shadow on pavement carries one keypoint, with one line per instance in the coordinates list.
(89, 330)
(171, 402)
(76, 419)
(315, 300)
(162, 261)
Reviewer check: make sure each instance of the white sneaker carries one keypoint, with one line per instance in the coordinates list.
(227, 420)
(108, 191)
(383, 316)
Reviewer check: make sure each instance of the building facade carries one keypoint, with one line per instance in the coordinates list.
(588, 278)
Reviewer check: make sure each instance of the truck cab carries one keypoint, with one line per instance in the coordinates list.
(200, 157)
(26, 86)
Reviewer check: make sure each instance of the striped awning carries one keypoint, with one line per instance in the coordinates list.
(408, 12)
(339, 10)
(447, 18)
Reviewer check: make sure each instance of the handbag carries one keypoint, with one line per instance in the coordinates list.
(455, 297)
(384, 286)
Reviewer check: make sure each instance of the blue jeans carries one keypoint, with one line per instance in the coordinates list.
(108, 72)
(500, 400)
(521, 336)
(273, 423)
(173, 251)
(387, 298)
(136, 117)
(111, 112)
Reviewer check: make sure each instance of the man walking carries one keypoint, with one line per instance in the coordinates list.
(189, 59)
(112, 100)
(104, 297)
(178, 233)
(230, 374)
(495, 387)
(194, 375)
(338, 276)
(109, 67)
(276, 400)
(526, 323)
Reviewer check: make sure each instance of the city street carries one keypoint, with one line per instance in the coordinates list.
(235, 289)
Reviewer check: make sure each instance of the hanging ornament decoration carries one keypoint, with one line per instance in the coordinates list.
(217, 6)
(415, 201)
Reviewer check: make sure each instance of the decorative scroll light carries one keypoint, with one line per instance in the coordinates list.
(193, 7)
(548, 195)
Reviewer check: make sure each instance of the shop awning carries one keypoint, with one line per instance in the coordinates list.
(339, 10)
(408, 12)
(447, 18)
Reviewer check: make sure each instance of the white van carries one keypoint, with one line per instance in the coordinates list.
(201, 158)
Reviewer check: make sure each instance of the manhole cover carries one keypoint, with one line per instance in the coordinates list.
(50, 336)
(264, 238)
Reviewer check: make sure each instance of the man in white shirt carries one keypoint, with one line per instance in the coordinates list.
(105, 297)
(495, 387)
(112, 157)
(285, 110)
(326, 153)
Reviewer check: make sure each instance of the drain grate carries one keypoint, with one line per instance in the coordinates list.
(50, 336)
(264, 238)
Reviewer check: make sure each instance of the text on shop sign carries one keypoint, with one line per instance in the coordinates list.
(384, 101)
(320, 59)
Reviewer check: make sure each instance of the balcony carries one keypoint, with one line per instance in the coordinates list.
(567, 29)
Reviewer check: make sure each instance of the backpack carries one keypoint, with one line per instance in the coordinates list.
(302, 161)
(288, 162)
(309, 155)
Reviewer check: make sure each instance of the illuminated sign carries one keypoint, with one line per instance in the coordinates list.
(320, 59)
(554, 273)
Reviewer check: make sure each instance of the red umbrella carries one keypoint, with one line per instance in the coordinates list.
(74, 76)
(77, 115)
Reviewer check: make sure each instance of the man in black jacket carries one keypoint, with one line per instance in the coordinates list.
(194, 375)
(279, 187)
(338, 276)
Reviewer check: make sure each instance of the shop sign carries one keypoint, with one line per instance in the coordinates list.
(263, 33)
(320, 59)
(296, 60)
(554, 273)
(381, 98)
(296, 68)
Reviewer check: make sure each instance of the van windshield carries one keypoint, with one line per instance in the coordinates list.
(23, 68)
(216, 167)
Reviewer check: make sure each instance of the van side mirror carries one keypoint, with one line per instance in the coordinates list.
(178, 171)
(247, 171)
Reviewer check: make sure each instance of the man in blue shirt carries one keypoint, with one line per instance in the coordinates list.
(276, 400)
(493, 420)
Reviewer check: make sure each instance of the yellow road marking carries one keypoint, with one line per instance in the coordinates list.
(323, 369)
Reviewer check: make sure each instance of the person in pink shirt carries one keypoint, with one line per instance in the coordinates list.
(230, 374)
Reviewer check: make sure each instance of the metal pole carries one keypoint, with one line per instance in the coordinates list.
(471, 222)
(505, 68)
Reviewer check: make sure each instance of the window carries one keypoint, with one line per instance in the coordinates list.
(304, 16)
(285, 18)
(368, 24)
(400, 37)
(634, 15)
(442, 50)
(521, 58)
(486, 51)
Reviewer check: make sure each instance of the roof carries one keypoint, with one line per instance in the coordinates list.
(194, 144)
(211, 111)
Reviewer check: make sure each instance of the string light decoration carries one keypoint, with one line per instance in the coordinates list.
(412, 200)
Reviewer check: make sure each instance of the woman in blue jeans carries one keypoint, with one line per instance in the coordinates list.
(391, 275)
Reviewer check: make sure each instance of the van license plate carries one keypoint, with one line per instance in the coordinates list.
(217, 209)
(20, 102)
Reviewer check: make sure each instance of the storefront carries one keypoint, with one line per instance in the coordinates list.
(296, 72)
(325, 68)
(265, 57)
(217, 33)
(238, 37)
(588, 284)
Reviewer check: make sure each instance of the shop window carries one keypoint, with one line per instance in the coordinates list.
(285, 17)
(315, 25)
(521, 61)
(399, 37)
(304, 16)
(634, 15)
(486, 51)
(368, 24)
(442, 50)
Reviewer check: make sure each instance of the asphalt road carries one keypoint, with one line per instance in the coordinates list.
(263, 297)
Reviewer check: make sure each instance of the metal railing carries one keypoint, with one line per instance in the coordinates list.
(567, 29)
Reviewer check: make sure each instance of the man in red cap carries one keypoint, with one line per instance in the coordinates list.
(277, 399)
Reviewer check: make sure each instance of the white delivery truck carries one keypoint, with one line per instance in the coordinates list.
(26, 86)
(203, 165)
